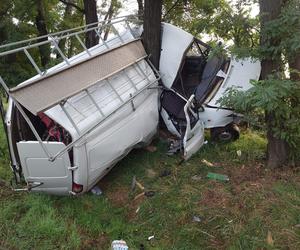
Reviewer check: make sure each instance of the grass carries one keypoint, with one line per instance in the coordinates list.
(239, 214)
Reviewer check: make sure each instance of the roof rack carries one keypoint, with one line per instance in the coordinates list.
(129, 52)
(53, 39)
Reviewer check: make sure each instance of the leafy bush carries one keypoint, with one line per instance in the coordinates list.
(279, 96)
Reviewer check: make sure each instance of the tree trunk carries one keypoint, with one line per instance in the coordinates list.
(40, 22)
(152, 30)
(90, 11)
(140, 9)
(277, 149)
(62, 44)
(294, 64)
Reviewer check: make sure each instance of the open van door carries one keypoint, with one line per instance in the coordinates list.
(40, 173)
(177, 110)
(182, 120)
(194, 137)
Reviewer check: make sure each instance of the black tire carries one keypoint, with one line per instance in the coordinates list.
(229, 133)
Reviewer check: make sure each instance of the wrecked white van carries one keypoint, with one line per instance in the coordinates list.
(190, 75)
(69, 125)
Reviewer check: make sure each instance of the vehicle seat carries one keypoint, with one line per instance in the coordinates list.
(173, 104)
(209, 78)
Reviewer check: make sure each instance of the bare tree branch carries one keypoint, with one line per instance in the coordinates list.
(73, 5)
(172, 7)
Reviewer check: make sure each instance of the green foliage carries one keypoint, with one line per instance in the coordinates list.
(223, 20)
(18, 22)
(278, 96)
(286, 31)
(193, 16)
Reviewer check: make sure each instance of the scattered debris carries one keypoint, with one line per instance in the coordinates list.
(220, 177)
(197, 219)
(165, 172)
(137, 210)
(96, 190)
(135, 184)
(196, 178)
(207, 163)
(239, 153)
(270, 240)
(151, 237)
(174, 147)
(151, 149)
(147, 194)
(205, 142)
(119, 245)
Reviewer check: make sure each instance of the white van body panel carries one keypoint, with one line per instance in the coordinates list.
(117, 137)
(93, 164)
(240, 74)
(175, 42)
(121, 128)
(42, 174)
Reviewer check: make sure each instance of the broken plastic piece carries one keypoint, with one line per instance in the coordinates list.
(151, 237)
(119, 245)
(96, 190)
(197, 219)
(220, 177)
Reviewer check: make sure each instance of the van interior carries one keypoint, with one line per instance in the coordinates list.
(47, 129)
(198, 75)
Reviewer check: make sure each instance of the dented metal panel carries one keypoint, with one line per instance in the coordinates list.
(175, 42)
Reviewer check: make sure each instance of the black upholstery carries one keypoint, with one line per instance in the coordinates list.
(209, 78)
(173, 104)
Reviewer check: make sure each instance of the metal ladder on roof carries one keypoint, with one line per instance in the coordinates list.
(53, 40)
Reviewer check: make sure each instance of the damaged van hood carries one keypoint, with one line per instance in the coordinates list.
(175, 42)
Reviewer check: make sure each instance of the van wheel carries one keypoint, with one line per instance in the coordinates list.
(231, 132)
